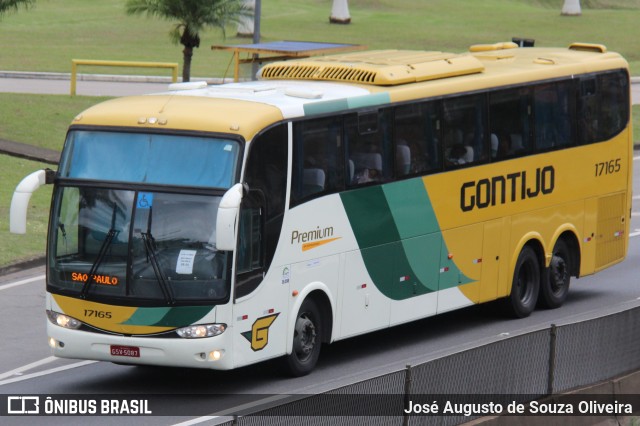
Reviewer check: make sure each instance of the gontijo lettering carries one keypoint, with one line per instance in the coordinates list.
(503, 189)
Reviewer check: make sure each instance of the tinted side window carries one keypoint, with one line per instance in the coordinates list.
(509, 123)
(318, 159)
(417, 139)
(604, 106)
(553, 110)
(266, 173)
(368, 144)
(463, 127)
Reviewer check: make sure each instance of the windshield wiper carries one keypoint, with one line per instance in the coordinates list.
(147, 239)
(151, 256)
(96, 264)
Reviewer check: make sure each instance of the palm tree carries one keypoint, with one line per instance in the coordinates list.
(192, 16)
(12, 5)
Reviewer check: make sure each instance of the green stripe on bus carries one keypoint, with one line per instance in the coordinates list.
(184, 315)
(146, 316)
(168, 317)
(369, 100)
(395, 224)
(325, 107)
(411, 208)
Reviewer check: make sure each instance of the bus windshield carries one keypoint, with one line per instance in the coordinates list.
(136, 245)
(150, 158)
(142, 240)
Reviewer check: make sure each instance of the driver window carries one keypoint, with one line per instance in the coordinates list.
(250, 252)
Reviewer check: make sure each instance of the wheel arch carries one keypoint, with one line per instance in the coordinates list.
(569, 236)
(321, 295)
(533, 240)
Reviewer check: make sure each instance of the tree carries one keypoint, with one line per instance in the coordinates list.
(340, 12)
(571, 8)
(193, 16)
(12, 5)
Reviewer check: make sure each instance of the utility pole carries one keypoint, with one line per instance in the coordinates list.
(257, 11)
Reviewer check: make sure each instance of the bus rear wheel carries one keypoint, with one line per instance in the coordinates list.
(525, 286)
(307, 339)
(557, 277)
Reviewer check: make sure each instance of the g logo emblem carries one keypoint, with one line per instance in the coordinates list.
(259, 334)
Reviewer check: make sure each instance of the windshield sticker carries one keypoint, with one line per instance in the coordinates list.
(145, 200)
(286, 275)
(228, 148)
(185, 262)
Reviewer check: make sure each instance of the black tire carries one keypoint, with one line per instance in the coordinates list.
(556, 278)
(307, 340)
(525, 285)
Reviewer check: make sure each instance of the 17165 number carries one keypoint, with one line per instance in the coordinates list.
(608, 167)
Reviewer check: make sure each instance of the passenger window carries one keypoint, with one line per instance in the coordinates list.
(464, 121)
(318, 159)
(553, 111)
(509, 123)
(604, 110)
(368, 145)
(416, 139)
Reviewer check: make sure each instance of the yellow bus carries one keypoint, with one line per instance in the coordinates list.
(219, 226)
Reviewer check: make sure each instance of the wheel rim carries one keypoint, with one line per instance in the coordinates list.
(558, 276)
(305, 337)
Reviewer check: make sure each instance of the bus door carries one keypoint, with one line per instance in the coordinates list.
(260, 298)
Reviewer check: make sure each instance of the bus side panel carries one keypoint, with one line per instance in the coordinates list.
(460, 267)
(588, 256)
(611, 234)
(260, 320)
(365, 308)
(421, 264)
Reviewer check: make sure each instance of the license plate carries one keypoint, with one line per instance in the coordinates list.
(130, 351)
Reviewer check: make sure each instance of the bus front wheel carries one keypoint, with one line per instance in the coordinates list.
(525, 286)
(307, 339)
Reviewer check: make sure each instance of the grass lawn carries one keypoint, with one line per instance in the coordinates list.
(21, 247)
(48, 36)
(40, 120)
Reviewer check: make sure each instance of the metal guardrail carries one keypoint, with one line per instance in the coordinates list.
(135, 64)
(518, 369)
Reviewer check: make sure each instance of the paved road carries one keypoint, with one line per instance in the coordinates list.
(86, 88)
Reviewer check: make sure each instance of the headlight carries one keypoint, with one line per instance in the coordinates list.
(63, 320)
(199, 331)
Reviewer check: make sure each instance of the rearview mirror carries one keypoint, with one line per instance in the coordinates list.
(21, 197)
(227, 218)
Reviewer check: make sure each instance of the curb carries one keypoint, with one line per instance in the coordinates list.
(29, 263)
(29, 152)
